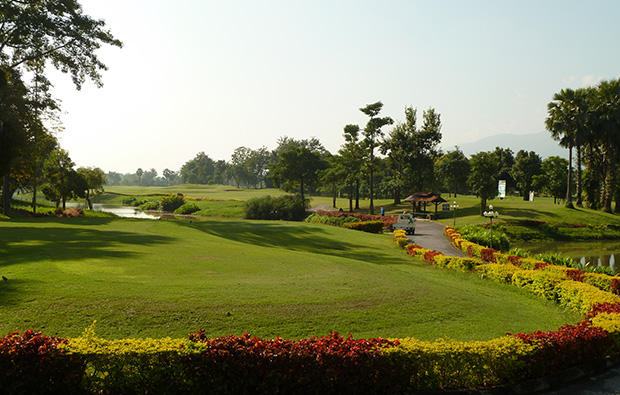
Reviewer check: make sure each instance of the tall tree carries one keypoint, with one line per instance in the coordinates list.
(36, 33)
(296, 169)
(60, 176)
(426, 150)
(526, 166)
(506, 160)
(199, 170)
(94, 178)
(553, 178)
(453, 168)
(372, 134)
(351, 153)
(483, 177)
(564, 120)
(400, 146)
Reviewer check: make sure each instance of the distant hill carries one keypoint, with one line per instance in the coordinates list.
(541, 143)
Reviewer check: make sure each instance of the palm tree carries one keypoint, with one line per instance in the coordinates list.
(562, 121)
(606, 105)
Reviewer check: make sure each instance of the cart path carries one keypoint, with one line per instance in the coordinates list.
(430, 235)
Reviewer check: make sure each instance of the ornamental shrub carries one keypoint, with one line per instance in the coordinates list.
(187, 208)
(582, 297)
(447, 364)
(609, 322)
(170, 203)
(33, 363)
(498, 272)
(566, 347)
(286, 207)
(330, 220)
(149, 206)
(365, 226)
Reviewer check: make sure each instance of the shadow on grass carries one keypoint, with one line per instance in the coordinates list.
(20, 244)
(309, 239)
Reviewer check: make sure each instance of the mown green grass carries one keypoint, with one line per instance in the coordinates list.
(145, 278)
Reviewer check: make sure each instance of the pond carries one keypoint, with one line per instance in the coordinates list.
(121, 211)
(598, 253)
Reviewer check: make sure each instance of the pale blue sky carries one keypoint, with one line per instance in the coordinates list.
(214, 75)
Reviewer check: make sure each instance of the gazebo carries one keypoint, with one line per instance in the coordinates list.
(424, 198)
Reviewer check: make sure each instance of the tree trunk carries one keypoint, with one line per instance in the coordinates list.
(579, 199)
(90, 204)
(351, 191)
(396, 195)
(371, 186)
(569, 198)
(6, 197)
(357, 194)
(483, 205)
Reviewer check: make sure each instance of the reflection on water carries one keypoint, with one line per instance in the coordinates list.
(126, 212)
(594, 253)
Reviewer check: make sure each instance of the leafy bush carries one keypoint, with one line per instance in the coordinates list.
(187, 208)
(566, 347)
(149, 206)
(330, 219)
(33, 363)
(170, 203)
(388, 221)
(287, 207)
(365, 226)
(482, 235)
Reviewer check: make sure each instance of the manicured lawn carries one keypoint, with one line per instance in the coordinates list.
(148, 278)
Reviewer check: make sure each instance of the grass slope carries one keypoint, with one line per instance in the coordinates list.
(144, 278)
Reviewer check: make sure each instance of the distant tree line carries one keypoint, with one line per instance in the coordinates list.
(372, 163)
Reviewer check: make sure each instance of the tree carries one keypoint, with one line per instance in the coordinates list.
(400, 147)
(526, 166)
(199, 170)
(372, 133)
(93, 180)
(483, 177)
(565, 120)
(453, 168)
(553, 178)
(351, 153)
(33, 34)
(61, 180)
(332, 177)
(506, 160)
(297, 168)
(426, 150)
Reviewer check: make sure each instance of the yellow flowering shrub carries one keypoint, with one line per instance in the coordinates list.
(599, 280)
(501, 273)
(446, 364)
(538, 282)
(609, 322)
(581, 296)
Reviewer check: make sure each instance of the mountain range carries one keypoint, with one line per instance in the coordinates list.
(541, 143)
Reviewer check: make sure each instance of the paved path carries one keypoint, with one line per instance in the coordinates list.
(430, 235)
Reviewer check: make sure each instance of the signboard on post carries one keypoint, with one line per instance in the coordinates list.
(501, 189)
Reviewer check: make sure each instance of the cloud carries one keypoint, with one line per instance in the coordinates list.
(590, 80)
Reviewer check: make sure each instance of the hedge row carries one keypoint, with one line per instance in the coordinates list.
(596, 337)
(388, 221)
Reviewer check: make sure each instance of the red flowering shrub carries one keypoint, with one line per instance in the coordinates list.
(515, 260)
(575, 274)
(566, 347)
(615, 286)
(72, 212)
(429, 256)
(541, 265)
(488, 254)
(31, 363)
(388, 221)
(330, 364)
(607, 307)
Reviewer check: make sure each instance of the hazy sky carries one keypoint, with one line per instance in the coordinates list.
(202, 75)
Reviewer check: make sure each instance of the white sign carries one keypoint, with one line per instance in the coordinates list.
(501, 189)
